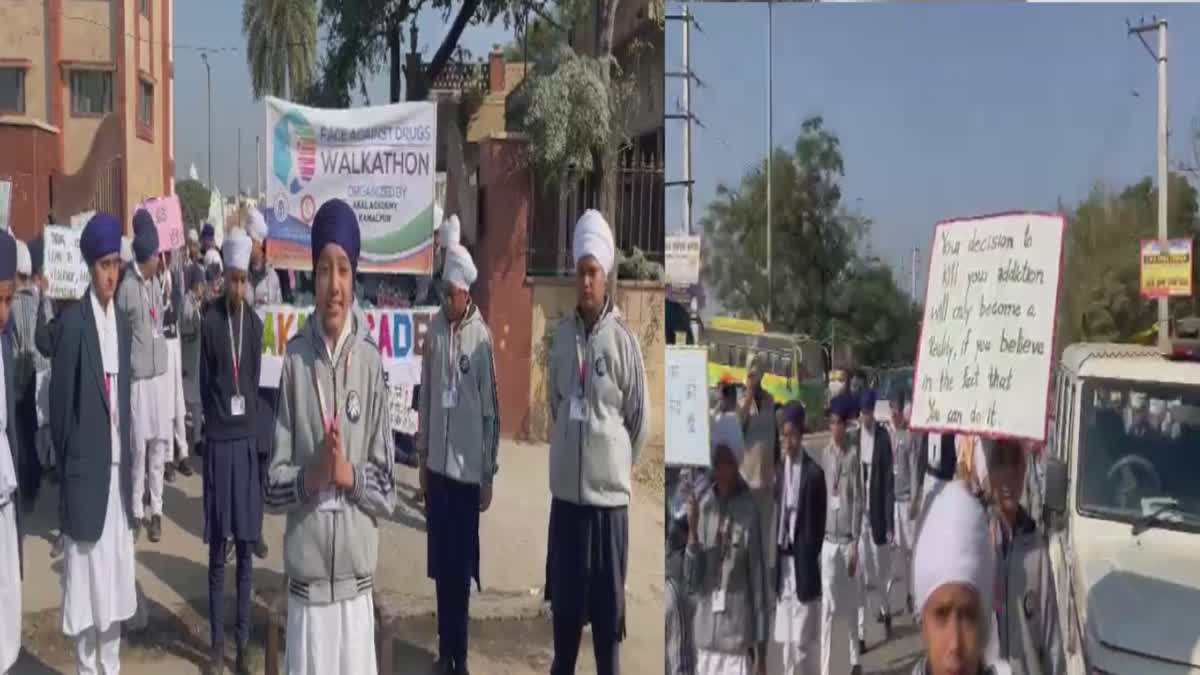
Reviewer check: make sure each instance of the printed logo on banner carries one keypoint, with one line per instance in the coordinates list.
(295, 158)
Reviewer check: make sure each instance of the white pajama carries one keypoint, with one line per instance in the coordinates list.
(839, 599)
(176, 407)
(152, 431)
(10, 587)
(874, 565)
(335, 638)
(902, 552)
(720, 663)
(99, 652)
(794, 644)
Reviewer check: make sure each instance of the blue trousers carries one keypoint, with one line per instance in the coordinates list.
(216, 591)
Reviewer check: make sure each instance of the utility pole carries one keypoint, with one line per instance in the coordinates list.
(686, 116)
(1160, 56)
(239, 161)
(257, 166)
(770, 152)
(913, 283)
(208, 70)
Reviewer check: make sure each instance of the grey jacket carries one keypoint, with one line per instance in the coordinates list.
(264, 287)
(460, 443)
(330, 556)
(1028, 621)
(591, 459)
(189, 347)
(733, 566)
(906, 447)
(140, 302)
(844, 490)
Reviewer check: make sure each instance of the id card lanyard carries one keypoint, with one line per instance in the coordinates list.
(581, 361)
(237, 350)
(329, 413)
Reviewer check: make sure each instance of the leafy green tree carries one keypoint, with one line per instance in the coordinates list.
(194, 199)
(881, 322)
(281, 45)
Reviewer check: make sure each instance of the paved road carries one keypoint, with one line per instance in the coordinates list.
(508, 635)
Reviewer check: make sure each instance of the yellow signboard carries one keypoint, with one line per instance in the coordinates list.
(1166, 268)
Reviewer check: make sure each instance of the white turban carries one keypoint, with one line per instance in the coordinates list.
(1137, 399)
(257, 226)
(194, 236)
(236, 250)
(953, 546)
(459, 269)
(451, 232)
(594, 237)
(727, 431)
(24, 262)
(211, 257)
(126, 250)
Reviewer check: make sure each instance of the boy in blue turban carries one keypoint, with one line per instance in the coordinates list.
(844, 501)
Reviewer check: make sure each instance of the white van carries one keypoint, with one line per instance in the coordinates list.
(1120, 483)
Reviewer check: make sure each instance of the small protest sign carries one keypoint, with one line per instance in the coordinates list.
(987, 338)
(168, 218)
(687, 406)
(66, 271)
(5, 203)
(404, 417)
(682, 259)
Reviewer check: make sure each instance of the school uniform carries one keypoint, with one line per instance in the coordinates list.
(331, 538)
(189, 347)
(874, 553)
(264, 291)
(11, 571)
(906, 446)
(840, 594)
(800, 523)
(170, 288)
(140, 302)
(230, 359)
(458, 440)
(91, 365)
(598, 401)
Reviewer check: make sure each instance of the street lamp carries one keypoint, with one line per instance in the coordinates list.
(208, 70)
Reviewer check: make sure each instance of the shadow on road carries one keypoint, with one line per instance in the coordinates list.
(186, 511)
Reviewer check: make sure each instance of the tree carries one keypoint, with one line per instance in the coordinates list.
(194, 199)
(281, 45)
(881, 324)
(1100, 286)
(814, 237)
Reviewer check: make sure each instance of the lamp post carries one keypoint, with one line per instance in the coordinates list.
(208, 71)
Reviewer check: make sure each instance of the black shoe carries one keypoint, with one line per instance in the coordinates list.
(137, 529)
(260, 549)
(887, 628)
(855, 670)
(862, 648)
(154, 531)
(461, 669)
(169, 472)
(185, 467)
(443, 666)
(241, 667)
(908, 601)
(216, 661)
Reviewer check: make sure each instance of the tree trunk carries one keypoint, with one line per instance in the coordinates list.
(393, 42)
(606, 199)
(442, 56)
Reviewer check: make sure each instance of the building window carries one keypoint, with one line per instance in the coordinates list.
(91, 92)
(145, 103)
(12, 90)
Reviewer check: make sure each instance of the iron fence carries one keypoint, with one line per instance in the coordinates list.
(637, 222)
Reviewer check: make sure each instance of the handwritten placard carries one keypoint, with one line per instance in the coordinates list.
(682, 259)
(66, 271)
(687, 406)
(983, 363)
(404, 417)
(5, 203)
(168, 218)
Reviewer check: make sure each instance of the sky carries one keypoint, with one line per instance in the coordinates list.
(216, 26)
(942, 111)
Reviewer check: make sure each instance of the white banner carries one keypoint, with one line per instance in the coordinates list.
(686, 430)
(987, 338)
(66, 271)
(381, 160)
(400, 334)
(682, 259)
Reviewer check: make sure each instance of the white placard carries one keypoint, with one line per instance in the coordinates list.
(65, 268)
(404, 417)
(5, 203)
(80, 219)
(987, 338)
(687, 406)
(682, 259)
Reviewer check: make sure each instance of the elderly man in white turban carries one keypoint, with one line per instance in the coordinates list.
(724, 567)
(457, 444)
(598, 401)
(953, 577)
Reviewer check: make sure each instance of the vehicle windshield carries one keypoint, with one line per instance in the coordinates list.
(1139, 445)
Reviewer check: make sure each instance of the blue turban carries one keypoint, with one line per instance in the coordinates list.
(335, 223)
(8, 257)
(207, 233)
(794, 413)
(145, 236)
(194, 275)
(844, 406)
(37, 254)
(868, 400)
(101, 237)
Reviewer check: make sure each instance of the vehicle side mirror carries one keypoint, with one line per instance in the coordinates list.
(1056, 486)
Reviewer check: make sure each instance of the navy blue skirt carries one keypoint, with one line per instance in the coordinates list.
(587, 556)
(232, 491)
(452, 528)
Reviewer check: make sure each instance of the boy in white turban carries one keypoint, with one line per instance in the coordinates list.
(264, 290)
(457, 444)
(724, 568)
(598, 401)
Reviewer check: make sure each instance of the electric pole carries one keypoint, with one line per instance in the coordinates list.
(686, 116)
(913, 283)
(770, 152)
(1160, 56)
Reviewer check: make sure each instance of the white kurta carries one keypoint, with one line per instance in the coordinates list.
(336, 638)
(10, 559)
(717, 663)
(98, 578)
